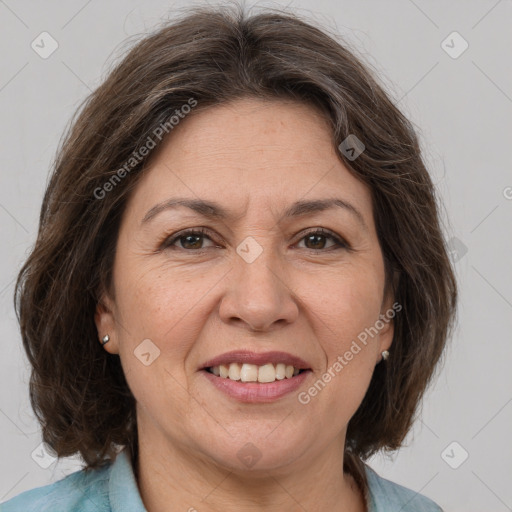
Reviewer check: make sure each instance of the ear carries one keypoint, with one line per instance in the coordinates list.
(105, 324)
(389, 310)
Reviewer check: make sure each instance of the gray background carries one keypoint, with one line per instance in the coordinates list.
(462, 107)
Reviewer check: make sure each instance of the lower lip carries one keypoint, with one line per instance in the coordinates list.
(256, 391)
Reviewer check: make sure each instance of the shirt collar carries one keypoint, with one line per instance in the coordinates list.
(123, 491)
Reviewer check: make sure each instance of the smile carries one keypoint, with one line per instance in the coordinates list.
(254, 373)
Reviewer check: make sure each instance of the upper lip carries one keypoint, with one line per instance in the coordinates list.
(259, 359)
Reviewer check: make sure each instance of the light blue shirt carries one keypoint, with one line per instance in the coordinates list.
(114, 489)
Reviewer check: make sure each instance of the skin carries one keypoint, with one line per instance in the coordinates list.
(310, 298)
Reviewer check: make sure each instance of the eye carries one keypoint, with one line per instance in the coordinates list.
(315, 238)
(191, 240)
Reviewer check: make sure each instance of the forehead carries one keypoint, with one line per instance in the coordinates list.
(269, 153)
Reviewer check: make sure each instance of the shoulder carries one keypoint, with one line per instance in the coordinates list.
(84, 491)
(386, 496)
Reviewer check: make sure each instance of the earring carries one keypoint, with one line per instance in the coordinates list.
(105, 339)
(385, 354)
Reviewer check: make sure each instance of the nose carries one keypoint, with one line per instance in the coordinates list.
(258, 294)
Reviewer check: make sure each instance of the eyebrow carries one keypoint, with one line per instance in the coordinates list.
(213, 210)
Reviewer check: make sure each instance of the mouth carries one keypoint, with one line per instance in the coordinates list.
(247, 372)
(248, 366)
(252, 377)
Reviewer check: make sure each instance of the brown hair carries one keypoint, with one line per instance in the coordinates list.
(77, 390)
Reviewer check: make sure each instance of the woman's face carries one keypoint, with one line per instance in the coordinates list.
(256, 281)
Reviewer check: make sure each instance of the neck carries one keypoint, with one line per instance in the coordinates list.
(192, 482)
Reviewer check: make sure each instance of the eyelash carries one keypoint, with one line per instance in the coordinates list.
(168, 242)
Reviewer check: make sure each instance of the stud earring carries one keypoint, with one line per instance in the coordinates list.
(105, 339)
(385, 355)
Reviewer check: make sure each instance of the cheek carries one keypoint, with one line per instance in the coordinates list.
(152, 300)
(346, 303)
(165, 306)
(159, 318)
(346, 306)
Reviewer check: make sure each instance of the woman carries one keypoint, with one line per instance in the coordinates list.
(240, 288)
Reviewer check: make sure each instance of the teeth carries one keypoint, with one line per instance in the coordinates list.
(249, 373)
(253, 373)
(280, 371)
(234, 371)
(266, 373)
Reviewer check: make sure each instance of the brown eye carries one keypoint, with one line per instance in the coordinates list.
(190, 240)
(315, 240)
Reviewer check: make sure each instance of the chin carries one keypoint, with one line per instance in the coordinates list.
(254, 454)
